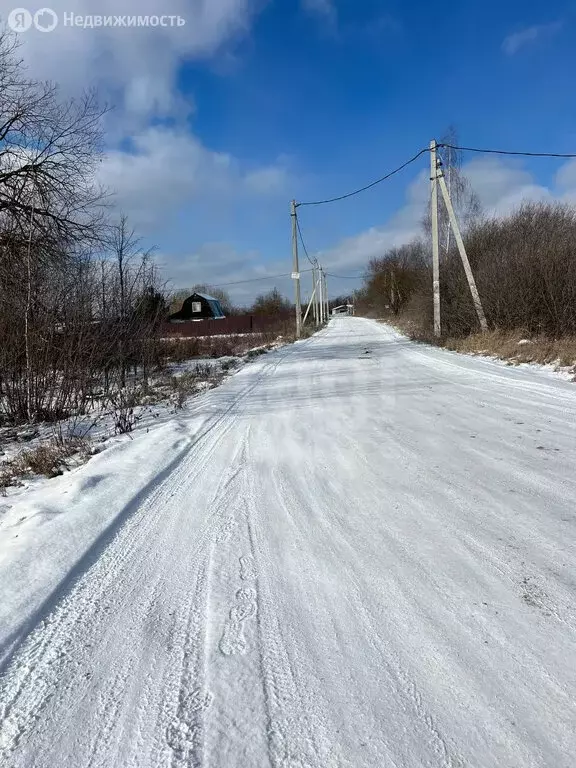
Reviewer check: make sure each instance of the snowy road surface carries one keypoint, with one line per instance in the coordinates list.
(365, 557)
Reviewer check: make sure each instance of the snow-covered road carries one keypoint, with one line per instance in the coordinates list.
(365, 557)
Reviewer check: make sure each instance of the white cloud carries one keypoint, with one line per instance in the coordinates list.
(169, 182)
(502, 186)
(269, 180)
(566, 176)
(136, 67)
(324, 9)
(220, 264)
(170, 169)
(517, 40)
(353, 254)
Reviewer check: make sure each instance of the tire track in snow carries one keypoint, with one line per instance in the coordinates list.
(31, 678)
(186, 733)
(445, 754)
(184, 736)
(294, 741)
(35, 674)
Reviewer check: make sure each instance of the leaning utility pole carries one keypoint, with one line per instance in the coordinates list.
(463, 255)
(311, 303)
(435, 238)
(296, 269)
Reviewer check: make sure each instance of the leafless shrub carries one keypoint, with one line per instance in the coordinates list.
(525, 270)
(186, 385)
(123, 403)
(48, 459)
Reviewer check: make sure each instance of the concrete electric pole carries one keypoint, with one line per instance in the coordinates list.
(296, 269)
(435, 238)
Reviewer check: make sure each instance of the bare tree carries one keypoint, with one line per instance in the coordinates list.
(82, 303)
(132, 265)
(271, 303)
(49, 150)
(466, 202)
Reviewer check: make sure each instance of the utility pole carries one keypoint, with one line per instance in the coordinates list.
(296, 269)
(326, 296)
(435, 238)
(463, 254)
(315, 294)
(311, 303)
(321, 296)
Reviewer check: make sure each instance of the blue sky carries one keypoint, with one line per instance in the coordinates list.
(253, 103)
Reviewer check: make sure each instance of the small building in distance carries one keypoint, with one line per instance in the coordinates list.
(343, 309)
(199, 306)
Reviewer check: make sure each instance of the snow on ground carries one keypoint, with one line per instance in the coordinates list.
(556, 370)
(358, 551)
(98, 425)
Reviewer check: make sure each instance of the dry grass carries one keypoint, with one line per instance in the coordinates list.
(517, 347)
(187, 384)
(48, 459)
(180, 350)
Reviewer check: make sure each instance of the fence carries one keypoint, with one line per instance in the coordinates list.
(228, 326)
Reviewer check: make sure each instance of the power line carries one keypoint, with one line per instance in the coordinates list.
(566, 155)
(348, 277)
(315, 262)
(373, 184)
(506, 152)
(254, 279)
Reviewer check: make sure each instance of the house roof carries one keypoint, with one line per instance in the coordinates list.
(205, 296)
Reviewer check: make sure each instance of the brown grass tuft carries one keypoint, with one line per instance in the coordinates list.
(49, 459)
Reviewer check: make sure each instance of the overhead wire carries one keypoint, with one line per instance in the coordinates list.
(315, 262)
(565, 155)
(368, 186)
(507, 152)
(348, 277)
(255, 279)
